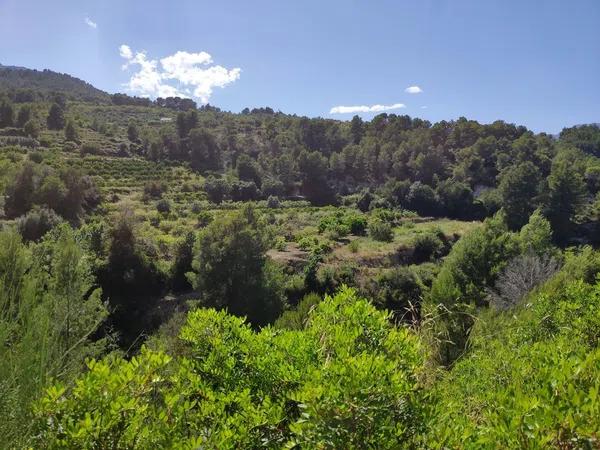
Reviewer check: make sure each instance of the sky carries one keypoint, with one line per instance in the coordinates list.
(531, 62)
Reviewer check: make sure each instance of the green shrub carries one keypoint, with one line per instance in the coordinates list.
(471, 267)
(530, 381)
(341, 224)
(231, 269)
(348, 379)
(154, 189)
(297, 318)
(273, 202)
(163, 206)
(280, 243)
(203, 219)
(314, 244)
(36, 223)
(356, 223)
(400, 290)
(90, 149)
(381, 231)
(49, 308)
(427, 246)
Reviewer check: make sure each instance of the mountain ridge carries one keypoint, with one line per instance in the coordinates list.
(48, 82)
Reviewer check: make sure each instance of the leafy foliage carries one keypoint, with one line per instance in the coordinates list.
(531, 382)
(348, 379)
(231, 270)
(49, 309)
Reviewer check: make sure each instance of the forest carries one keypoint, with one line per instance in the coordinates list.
(179, 276)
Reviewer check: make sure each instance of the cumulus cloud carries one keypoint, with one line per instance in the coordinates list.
(182, 74)
(413, 90)
(364, 108)
(90, 23)
(125, 52)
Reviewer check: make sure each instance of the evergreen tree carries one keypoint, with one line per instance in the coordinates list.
(566, 196)
(356, 129)
(519, 188)
(132, 132)
(71, 131)
(6, 114)
(232, 270)
(56, 117)
(31, 129)
(205, 153)
(24, 116)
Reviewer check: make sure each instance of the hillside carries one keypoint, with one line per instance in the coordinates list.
(267, 280)
(21, 82)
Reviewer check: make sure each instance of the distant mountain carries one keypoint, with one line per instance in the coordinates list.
(27, 82)
(12, 67)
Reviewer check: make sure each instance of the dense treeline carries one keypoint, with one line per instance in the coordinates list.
(27, 85)
(459, 169)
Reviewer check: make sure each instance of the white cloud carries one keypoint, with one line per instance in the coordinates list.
(413, 90)
(364, 108)
(90, 23)
(182, 74)
(125, 52)
(423, 107)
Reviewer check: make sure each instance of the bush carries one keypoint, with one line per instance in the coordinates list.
(381, 231)
(272, 187)
(400, 291)
(243, 191)
(182, 264)
(273, 202)
(216, 189)
(71, 131)
(31, 129)
(364, 201)
(427, 246)
(340, 224)
(36, 157)
(49, 308)
(154, 189)
(422, 199)
(314, 244)
(163, 206)
(347, 379)
(36, 223)
(297, 318)
(204, 218)
(232, 270)
(90, 149)
(196, 208)
(537, 367)
(331, 277)
(357, 224)
(472, 266)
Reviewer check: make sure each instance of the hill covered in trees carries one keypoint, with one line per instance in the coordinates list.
(259, 279)
(27, 84)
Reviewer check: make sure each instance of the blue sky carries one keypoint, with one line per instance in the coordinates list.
(535, 63)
